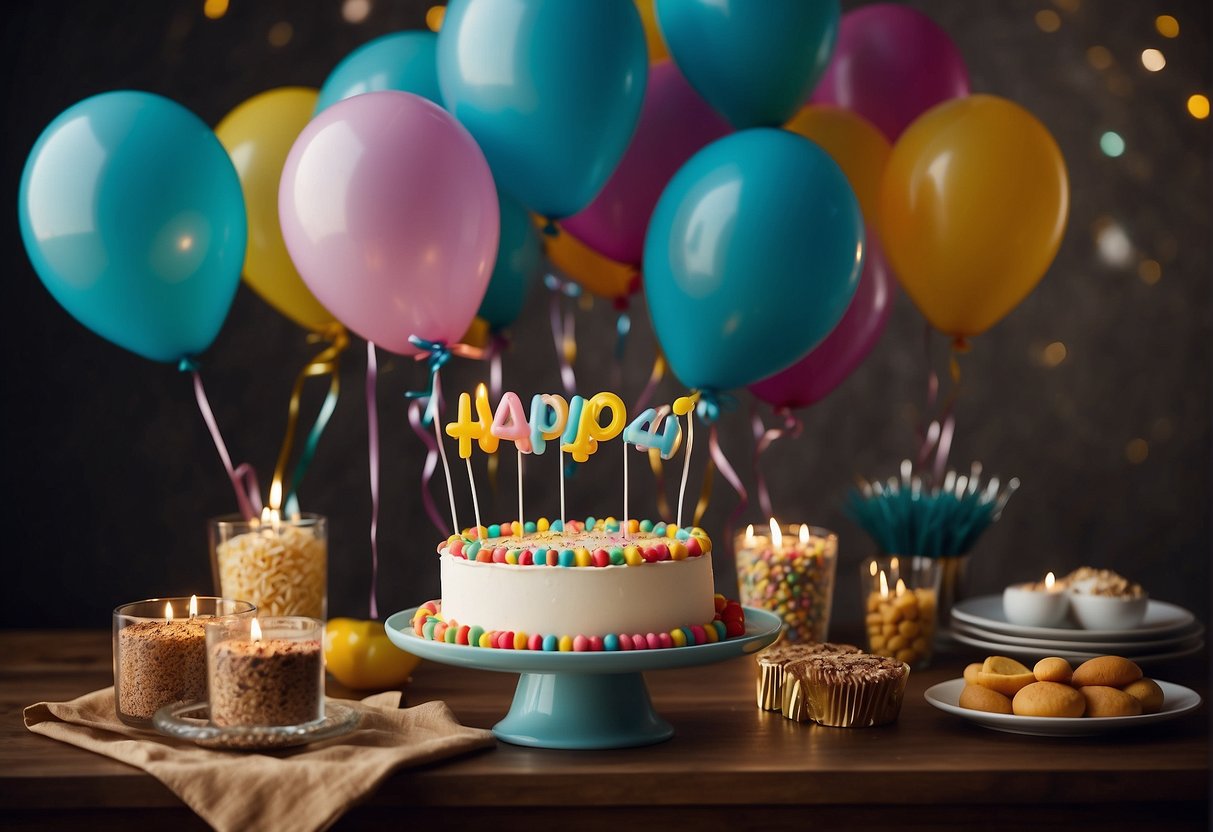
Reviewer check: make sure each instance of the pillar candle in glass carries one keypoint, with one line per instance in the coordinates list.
(901, 602)
(791, 573)
(266, 671)
(160, 652)
(279, 564)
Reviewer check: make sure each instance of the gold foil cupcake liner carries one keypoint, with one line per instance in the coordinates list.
(856, 704)
(794, 703)
(771, 681)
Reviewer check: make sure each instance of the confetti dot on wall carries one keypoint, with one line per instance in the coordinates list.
(1149, 271)
(281, 33)
(1112, 144)
(434, 17)
(1167, 26)
(1048, 20)
(1053, 354)
(355, 11)
(1153, 59)
(215, 9)
(1198, 106)
(1137, 450)
(1099, 57)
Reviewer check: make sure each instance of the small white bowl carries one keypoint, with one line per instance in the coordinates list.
(1108, 612)
(1029, 607)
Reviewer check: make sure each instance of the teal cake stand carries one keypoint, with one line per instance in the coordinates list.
(583, 700)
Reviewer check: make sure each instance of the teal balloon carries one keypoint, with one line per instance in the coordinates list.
(132, 215)
(751, 257)
(550, 89)
(402, 61)
(755, 61)
(519, 263)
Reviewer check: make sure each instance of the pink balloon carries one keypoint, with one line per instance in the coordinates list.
(675, 123)
(817, 374)
(890, 65)
(390, 214)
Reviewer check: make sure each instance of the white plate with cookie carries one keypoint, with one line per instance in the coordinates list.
(1177, 701)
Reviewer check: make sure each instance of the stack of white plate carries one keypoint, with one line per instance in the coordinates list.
(1168, 632)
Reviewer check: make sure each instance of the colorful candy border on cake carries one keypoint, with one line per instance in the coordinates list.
(669, 542)
(428, 623)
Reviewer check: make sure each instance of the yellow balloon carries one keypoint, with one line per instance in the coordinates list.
(973, 207)
(854, 143)
(600, 275)
(258, 135)
(652, 32)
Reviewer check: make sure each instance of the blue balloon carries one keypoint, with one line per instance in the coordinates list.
(751, 257)
(755, 61)
(402, 61)
(132, 215)
(551, 90)
(519, 262)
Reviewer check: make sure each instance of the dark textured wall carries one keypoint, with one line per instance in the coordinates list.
(112, 474)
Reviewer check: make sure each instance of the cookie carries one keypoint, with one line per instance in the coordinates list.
(1004, 675)
(971, 672)
(977, 698)
(1106, 701)
(1051, 699)
(1109, 671)
(1148, 693)
(1053, 669)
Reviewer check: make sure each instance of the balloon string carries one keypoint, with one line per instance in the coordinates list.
(324, 364)
(561, 457)
(686, 463)
(763, 437)
(427, 470)
(521, 515)
(624, 526)
(655, 377)
(561, 339)
(937, 444)
(726, 470)
(925, 437)
(475, 498)
(242, 478)
(372, 425)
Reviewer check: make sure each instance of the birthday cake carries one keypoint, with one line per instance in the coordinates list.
(578, 586)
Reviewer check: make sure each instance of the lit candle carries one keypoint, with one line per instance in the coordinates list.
(900, 611)
(789, 571)
(1043, 604)
(160, 656)
(270, 676)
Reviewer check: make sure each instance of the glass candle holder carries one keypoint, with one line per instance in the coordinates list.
(265, 671)
(160, 652)
(790, 572)
(280, 565)
(901, 600)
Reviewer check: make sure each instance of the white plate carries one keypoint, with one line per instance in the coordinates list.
(986, 612)
(1168, 644)
(1177, 701)
(1034, 654)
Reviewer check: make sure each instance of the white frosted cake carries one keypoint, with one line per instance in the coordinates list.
(578, 586)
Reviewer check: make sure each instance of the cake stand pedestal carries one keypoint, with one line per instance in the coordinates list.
(583, 700)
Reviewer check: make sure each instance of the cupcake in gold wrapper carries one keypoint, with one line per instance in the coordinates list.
(772, 675)
(850, 690)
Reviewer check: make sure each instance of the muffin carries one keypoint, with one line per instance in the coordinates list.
(772, 664)
(851, 690)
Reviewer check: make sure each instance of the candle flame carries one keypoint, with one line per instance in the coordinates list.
(872, 568)
(901, 587)
(255, 630)
(1050, 579)
(193, 606)
(884, 585)
(749, 534)
(776, 534)
(804, 532)
(482, 392)
(270, 516)
(168, 610)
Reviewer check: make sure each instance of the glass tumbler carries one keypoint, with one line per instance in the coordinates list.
(900, 596)
(280, 565)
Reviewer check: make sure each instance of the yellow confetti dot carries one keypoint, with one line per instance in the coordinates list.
(1167, 26)
(1054, 354)
(1048, 20)
(215, 9)
(1137, 450)
(1099, 57)
(1149, 271)
(434, 17)
(1198, 106)
(281, 33)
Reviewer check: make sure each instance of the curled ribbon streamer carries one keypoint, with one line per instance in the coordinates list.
(324, 364)
(937, 438)
(427, 470)
(243, 478)
(763, 437)
(565, 342)
(372, 424)
(650, 387)
(726, 470)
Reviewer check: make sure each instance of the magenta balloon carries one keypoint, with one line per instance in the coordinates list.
(813, 377)
(890, 65)
(675, 123)
(390, 214)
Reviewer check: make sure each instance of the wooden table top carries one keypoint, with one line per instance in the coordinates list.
(728, 765)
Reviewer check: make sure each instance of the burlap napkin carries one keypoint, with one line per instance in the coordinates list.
(305, 788)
